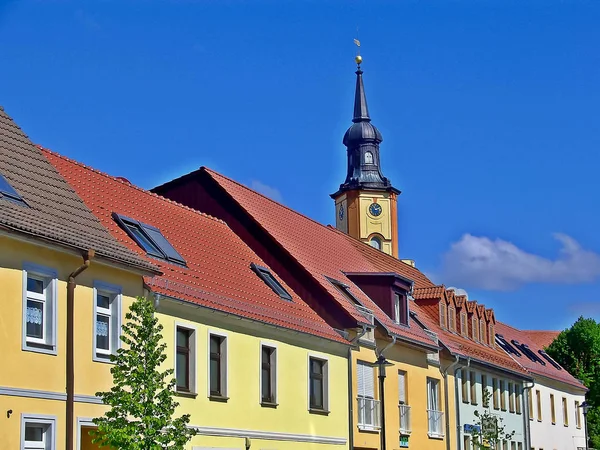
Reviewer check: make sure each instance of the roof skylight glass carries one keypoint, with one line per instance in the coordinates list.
(149, 238)
(8, 192)
(266, 275)
(548, 358)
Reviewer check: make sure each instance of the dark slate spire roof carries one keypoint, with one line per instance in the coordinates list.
(362, 140)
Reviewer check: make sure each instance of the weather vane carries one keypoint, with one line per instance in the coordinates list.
(357, 58)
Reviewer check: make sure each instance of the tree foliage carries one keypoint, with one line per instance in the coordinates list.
(141, 401)
(489, 428)
(577, 349)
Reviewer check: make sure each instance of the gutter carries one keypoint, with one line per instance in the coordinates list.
(70, 366)
(526, 421)
(457, 403)
(353, 344)
(446, 395)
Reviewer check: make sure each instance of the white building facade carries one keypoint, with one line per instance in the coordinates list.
(506, 401)
(555, 416)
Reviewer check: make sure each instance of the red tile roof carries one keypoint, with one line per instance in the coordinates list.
(325, 252)
(509, 333)
(542, 339)
(218, 273)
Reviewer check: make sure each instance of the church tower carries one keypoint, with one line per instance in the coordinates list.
(366, 203)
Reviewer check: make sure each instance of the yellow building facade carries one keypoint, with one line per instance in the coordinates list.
(32, 386)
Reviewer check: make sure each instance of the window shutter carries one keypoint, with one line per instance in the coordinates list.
(365, 380)
(402, 387)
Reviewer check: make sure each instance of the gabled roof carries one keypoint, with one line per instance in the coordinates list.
(53, 212)
(324, 252)
(542, 339)
(218, 273)
(548, 370)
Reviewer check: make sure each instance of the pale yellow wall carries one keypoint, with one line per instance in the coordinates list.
(243, 409)
(414, 363)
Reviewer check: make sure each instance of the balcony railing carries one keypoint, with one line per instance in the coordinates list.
(367, 313)
(435, 419)
(404, 418)
(368, 413)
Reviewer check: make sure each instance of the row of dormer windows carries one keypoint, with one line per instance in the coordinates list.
(480, 330)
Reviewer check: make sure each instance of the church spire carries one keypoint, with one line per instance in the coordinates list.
(361, 110)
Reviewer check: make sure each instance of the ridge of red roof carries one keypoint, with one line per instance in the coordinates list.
(218, 273)
(429, 292)
(542, 338)
(322, 251)
(509, 333)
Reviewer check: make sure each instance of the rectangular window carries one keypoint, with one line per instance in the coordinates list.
(503, 395)
(443, 315)
(463, 324)
(107, 320)
(565, 412)
(538, 397)
(452, 318)
(577, 415)
(491, 335)
(483, 391)
(218, 365)
(270, 280)
(467, 442)
(185, 359)
(519, 398)
(39, 309)
(496, 393)
(519, 446)
(505, 445)
(368, 407)
(475, 329)
(513, 445)
(317, 381)
(402, 399)
(530, 397)
(482, 331)
(464, 375)
(552, 411)
(400, 308)
(435, 417)
(38, 433)
(404, 409)
(511, 397)
(268, 375)
(473, 388)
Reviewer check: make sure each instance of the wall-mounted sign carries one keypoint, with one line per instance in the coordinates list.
(403, 441)
(470, 428)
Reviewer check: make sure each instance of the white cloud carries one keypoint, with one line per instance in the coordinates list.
(480, 262)
(269, 191)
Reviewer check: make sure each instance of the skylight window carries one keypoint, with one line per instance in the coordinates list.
(548, 358)
(527, 352)
(149, 238)
(266, 275)
(8, 192)
(506, 346)
(345, 289)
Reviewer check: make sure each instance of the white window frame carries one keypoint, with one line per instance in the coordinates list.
(274, 372)
(49, 422)
(114, 292)
(325, 360)
(192, 329)
(49, 277)
(224, 363)
(396, 307)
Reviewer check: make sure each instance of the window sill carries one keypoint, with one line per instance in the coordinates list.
(368, 429)
(435, 436)
(405, 432)
(218, 398)
(269, 404)
(474, 404)
(321, 412)
(188, 394)
(566, 425)
(102, 359)
(539, 420)
(40, 348)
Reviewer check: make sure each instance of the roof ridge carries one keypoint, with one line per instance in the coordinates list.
(116, 179)
(210, 171)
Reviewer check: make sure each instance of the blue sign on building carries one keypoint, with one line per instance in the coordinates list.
(469, 428)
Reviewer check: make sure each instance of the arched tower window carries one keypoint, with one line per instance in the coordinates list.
(375, 242)
(368, 158)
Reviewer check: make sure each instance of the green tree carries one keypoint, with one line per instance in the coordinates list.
(141, 400)
(577, 349)
(489, 430)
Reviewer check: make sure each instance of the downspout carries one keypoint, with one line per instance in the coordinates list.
(446, 396)
(457, 403)
(353, 344)
(70, 369)
(526, 425)
(381, 361)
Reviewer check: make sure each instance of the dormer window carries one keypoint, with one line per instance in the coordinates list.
(396, 307)
(368, 158)
(9, 193)
(482, 331)
(452, 318)
(266, 275)
(475, 327)
(463, 324)
(443, 315)
(149, 238)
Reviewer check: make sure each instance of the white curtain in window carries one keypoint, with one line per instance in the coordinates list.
(402, 387)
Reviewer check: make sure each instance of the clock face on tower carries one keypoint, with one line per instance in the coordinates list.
(375, 209)
(341, 213)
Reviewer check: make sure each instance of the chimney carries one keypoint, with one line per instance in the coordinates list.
(410, 262)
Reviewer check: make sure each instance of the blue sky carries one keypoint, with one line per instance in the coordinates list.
(489, 113)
